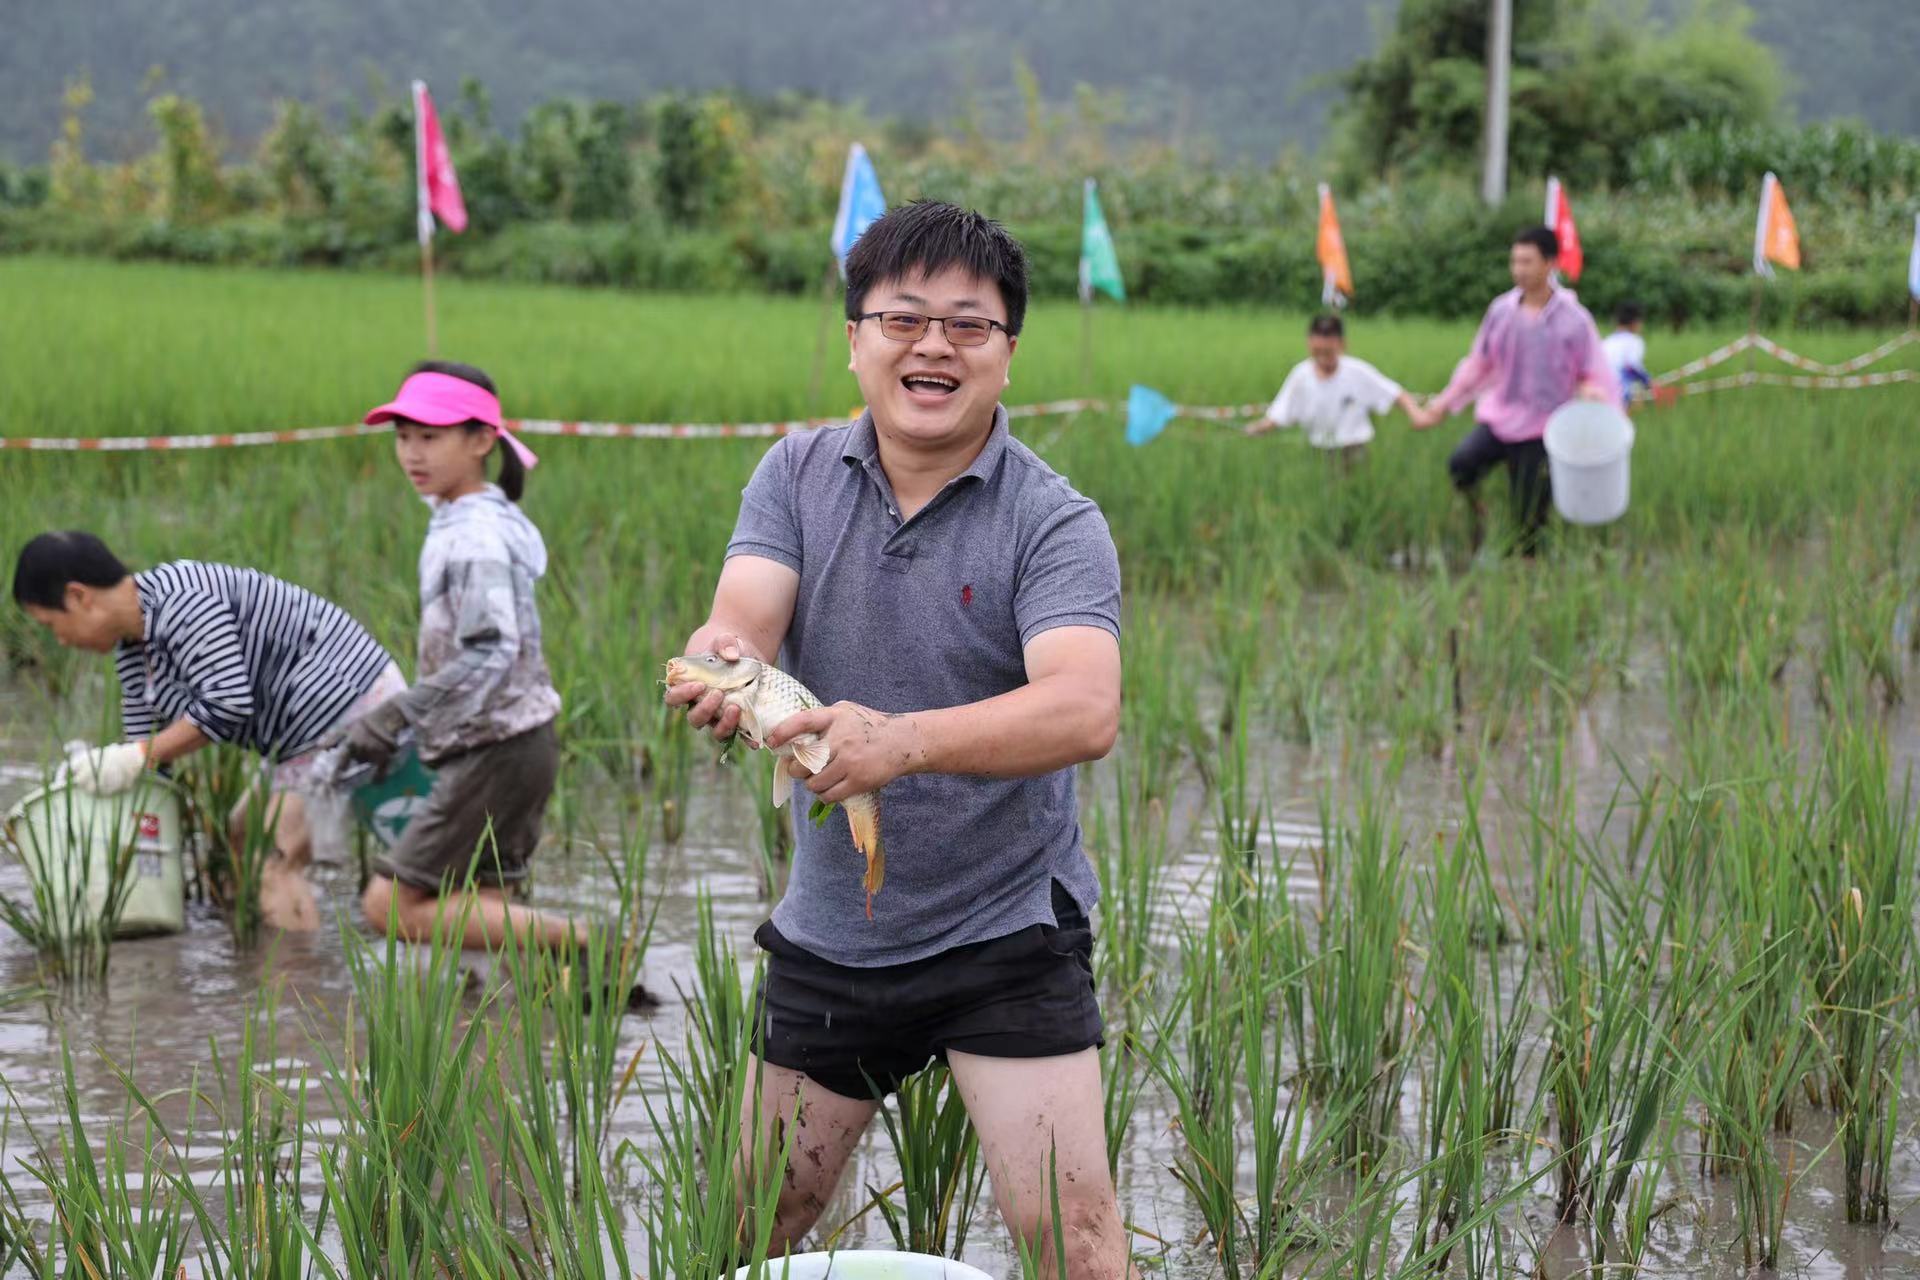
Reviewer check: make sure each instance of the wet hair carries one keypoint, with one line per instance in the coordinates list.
(1326, 325)
(1541, 238)
(513, 473)
(927, 237)
(51, 562)
(1628, 313)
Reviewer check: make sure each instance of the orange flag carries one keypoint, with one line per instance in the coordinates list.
(1775, 237)
(1335, 275)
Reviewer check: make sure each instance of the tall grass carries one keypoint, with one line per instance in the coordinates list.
(1359, 993)
(711, 1194)
(941, 1173)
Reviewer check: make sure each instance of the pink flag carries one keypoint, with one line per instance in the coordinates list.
(438, 189)
(1560, 218)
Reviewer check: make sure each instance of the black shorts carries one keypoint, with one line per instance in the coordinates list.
(1027, 995)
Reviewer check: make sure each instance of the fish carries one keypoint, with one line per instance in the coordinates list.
(766, 696)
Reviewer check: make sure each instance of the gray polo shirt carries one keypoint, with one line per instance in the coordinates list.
(910, 616)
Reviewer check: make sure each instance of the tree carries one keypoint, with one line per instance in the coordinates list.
(1589, 79)
(189, 186)
(697, 173)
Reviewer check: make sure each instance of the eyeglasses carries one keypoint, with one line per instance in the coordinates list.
(961, 331)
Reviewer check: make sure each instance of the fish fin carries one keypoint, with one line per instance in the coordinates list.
(863, 820)
(782, 783)
(810, 752)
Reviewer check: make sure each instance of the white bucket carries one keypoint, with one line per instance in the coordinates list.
(71, 840)
(1588, 445)
(863, 1264)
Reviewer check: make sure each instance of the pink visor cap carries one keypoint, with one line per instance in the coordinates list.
(442, 400)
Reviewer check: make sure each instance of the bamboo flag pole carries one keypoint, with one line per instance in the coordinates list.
(426, 280)
(423, 212)
(1086, 344)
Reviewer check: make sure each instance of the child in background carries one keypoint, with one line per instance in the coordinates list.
(483, 707)
(1333, 395)
(1627, 351)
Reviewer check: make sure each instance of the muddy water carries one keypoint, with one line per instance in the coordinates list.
(171, 1000)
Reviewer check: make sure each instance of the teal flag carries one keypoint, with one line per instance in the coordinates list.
(1148, 413)
(1099, 265)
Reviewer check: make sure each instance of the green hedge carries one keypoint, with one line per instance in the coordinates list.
(1443, 259)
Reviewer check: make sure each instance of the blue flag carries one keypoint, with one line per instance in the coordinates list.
(1148, 413)
(1913, 264)
(861, 203)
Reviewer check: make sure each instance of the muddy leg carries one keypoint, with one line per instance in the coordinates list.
(830, 1128)
(1042, 1126)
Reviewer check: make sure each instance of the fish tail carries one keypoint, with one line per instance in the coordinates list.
(863, 820)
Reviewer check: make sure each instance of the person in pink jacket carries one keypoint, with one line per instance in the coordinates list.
(1537, 349)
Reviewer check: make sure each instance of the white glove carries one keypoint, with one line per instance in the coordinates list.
(108, 770)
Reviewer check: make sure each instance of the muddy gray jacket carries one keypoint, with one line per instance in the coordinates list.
(482, 677)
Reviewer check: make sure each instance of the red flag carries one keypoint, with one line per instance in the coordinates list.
(1560, 218)
(437, 187)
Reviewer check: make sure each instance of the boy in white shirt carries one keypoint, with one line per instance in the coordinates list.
(1333, 395)
(1627, 351)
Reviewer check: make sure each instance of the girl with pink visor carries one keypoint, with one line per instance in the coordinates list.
(482, 707)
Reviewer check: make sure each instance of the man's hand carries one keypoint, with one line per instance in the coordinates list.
(1425, 416)
(703, 704)
(1259, 426)
(1593, 391)
(106, 771)
(866, 749)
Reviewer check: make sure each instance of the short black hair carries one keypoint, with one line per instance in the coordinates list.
(51, 561)
(928, 236)
(1326, 325)
(513, 475)
(1627, 313)
(1541, 238)
(454, 369)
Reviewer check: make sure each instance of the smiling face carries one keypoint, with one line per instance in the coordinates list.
(442, 462)
(930, 392)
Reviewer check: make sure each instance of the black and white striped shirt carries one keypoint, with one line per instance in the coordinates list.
(248, 658)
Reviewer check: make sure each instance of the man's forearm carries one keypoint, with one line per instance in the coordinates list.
(1044, 726)
(181, 738)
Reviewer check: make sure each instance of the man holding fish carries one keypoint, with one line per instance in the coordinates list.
(944, 609)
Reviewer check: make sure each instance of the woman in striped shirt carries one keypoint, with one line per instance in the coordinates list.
(212, 653)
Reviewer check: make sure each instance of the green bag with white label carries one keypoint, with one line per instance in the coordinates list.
(385, 804)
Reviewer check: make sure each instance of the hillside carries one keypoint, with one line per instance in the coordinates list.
(1250, 74)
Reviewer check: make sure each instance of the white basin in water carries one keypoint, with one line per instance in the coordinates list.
(863, 1264)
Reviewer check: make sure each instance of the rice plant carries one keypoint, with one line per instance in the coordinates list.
(1359, 994)
(115, 1209)
(1861, 858)
(941, 1173)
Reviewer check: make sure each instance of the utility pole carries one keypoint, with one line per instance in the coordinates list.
(1493, 180)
